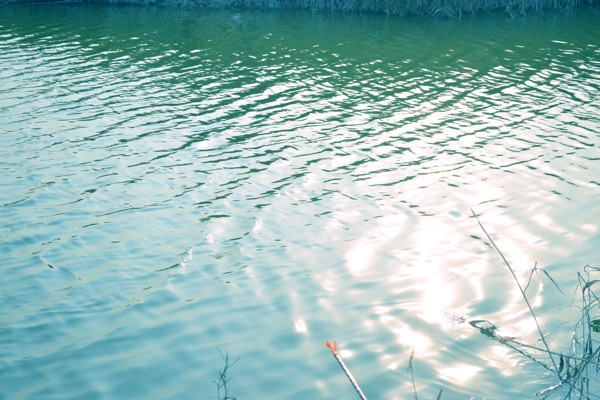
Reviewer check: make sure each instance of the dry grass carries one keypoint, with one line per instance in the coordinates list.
(443, 8)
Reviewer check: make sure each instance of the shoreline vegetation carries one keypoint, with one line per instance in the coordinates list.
(433, 8)
(576, 370)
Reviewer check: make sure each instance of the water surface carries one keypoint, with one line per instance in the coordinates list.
(175, 182)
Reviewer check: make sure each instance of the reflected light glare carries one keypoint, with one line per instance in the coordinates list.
(513, 242)
(357, 259)
(393, 366)
(526, 325)
(359, 256)
(346, 353)
(503, 360)
(590, 228)
(391, 361)
(537, 302)
(300, 326)
(368, 324)
(328, 284)
(405, 335)
(257, 225)
(476, 284)
(438, 295)
(460, 372)
(546, 222)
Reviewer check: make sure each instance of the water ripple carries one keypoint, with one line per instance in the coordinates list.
(260, 182)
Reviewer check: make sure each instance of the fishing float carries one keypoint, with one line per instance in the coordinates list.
(333, 348)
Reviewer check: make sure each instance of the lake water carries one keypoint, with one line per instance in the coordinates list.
(179, 182)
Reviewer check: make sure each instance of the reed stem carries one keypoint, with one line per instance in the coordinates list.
(524, 297)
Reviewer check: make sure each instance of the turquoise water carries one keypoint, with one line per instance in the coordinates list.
(179, 182)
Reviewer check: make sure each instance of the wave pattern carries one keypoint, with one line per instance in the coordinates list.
(175, 181)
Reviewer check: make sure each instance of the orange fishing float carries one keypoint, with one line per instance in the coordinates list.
(346, 370)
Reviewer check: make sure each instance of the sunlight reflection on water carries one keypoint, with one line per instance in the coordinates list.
(262, 182)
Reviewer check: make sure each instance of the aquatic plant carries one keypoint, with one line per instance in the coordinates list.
(412, 377)
(224, 379)
(445, 8)
(577, 370)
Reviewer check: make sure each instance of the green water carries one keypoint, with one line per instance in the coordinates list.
(174, 182)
